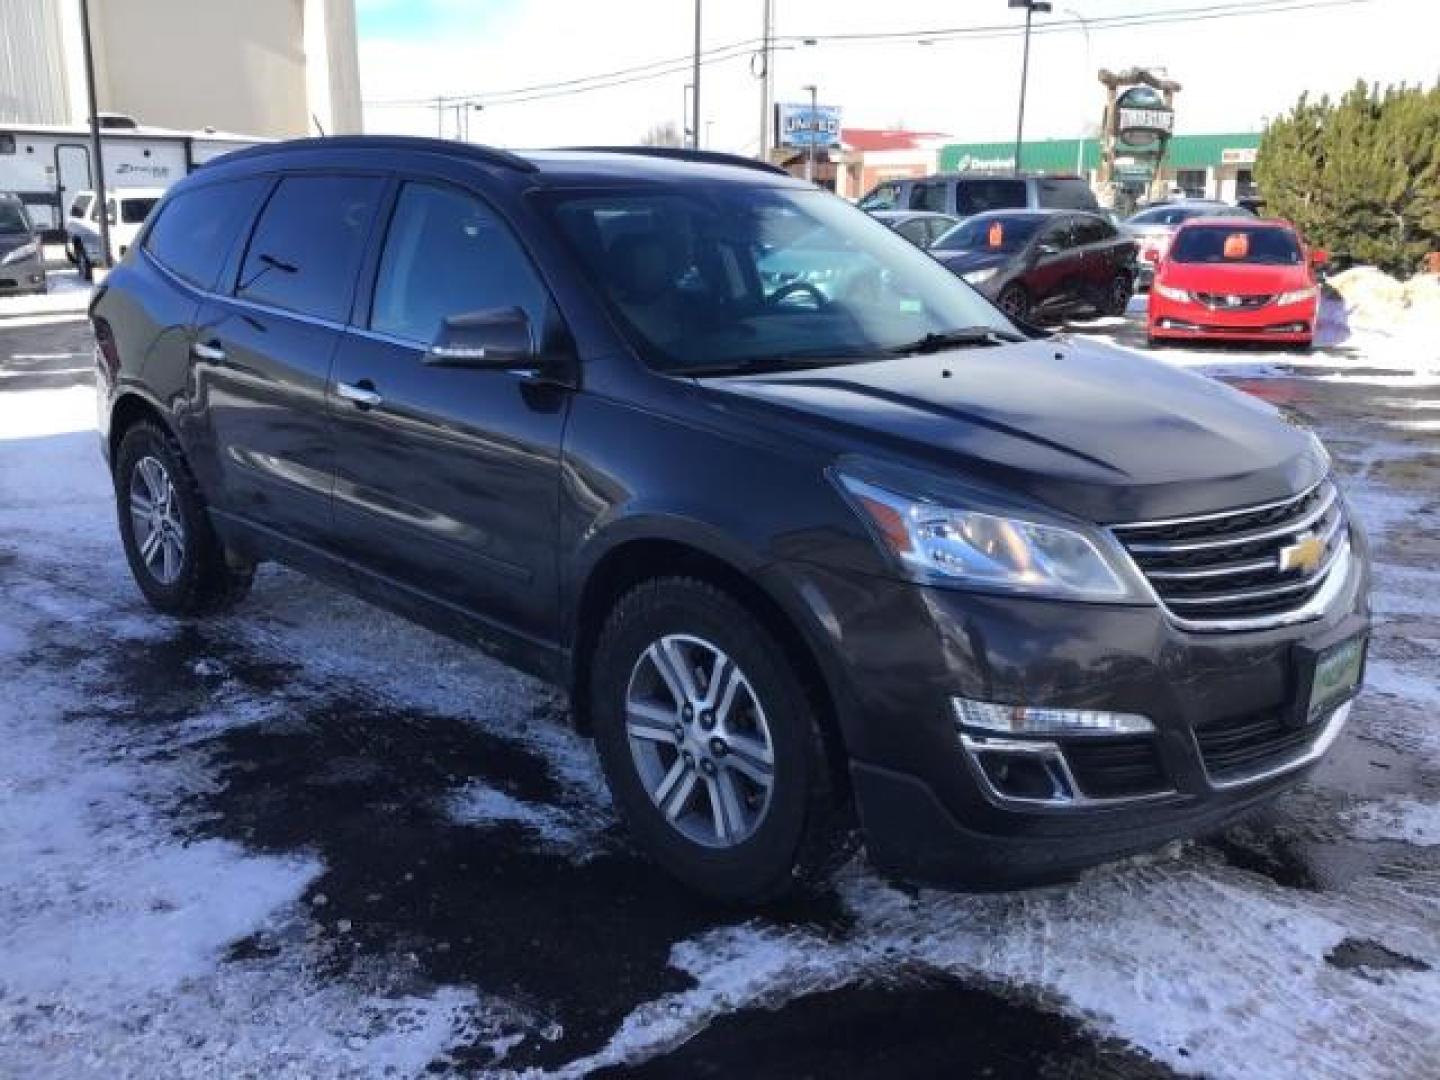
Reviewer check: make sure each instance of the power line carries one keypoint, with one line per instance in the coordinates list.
(658, 69)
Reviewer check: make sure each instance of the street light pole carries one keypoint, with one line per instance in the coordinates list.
(1089, 60)
(814, 126)
(96, 150)
(767, 31)
(695, 78)
(1031, 7)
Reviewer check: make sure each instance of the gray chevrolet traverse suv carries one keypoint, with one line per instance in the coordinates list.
(822, 546)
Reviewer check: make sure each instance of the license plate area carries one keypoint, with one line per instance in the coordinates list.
(1329, 676)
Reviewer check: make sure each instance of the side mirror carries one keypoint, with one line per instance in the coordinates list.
(1150, 255)
(496, 338)
(1046, 249)
(1319, 257)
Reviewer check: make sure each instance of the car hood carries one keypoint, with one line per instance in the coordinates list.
(963, 262)
(1097, 432)
(1234, 277)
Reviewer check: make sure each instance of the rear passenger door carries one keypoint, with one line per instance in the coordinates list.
(1095, 238)
(262, 354)
(448, 479)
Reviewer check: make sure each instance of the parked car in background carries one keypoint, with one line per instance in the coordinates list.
(963, 194)
(1236, 278)
(22, 260)
(920, 227)
(1154, 227)
(1037, 264)
(883, 563)
(126, 209)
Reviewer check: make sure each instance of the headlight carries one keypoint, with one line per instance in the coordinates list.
(979, 277)
(1298, 296)
(1178, 295)
(985, 550)
(24, 251)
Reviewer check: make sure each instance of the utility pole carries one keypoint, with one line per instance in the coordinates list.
(695, 78)
(766, 80)
(1031, 7)
(96, 150)
(1089, 56)
(814, 126)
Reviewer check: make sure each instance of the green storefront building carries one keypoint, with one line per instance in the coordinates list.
(1217, 166)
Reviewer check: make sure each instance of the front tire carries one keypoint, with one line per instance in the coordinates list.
(711, 745)
(1014, 301)
(174, 553)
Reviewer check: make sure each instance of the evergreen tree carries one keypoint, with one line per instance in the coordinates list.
(1360, 176)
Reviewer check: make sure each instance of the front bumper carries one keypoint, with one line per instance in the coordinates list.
(1176, 320)
(1220, 704)
(27, 275)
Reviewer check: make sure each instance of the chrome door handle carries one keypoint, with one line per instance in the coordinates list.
(362, 396)
(201, 351)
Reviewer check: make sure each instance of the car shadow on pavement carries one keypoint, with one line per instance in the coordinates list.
(573, 940)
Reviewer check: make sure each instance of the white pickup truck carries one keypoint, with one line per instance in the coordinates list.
(127, 209)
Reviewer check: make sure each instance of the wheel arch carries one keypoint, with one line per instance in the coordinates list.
(672, 553)
(128, 409)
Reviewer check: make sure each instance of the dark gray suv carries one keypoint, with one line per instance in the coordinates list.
(820, 544)
(963, 194)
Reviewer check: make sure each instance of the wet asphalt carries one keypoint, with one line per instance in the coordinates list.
(577, 944)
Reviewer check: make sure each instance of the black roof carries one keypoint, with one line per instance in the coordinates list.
(572, 165)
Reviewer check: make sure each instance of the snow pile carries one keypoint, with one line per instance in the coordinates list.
(67, 294)
(1406, 820)
(1374, 300)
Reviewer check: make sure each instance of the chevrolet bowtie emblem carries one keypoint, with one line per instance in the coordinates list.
(1305, 554)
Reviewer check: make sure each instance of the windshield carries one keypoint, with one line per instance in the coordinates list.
(884, 197)
(989, 233)
(719, 278)
(12, 218)
(1236, 244)
(134, 211)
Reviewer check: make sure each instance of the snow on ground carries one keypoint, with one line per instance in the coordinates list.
(67, 295)
(1407, 820)
(135, 943)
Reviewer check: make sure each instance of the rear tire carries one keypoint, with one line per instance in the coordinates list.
(666, 635)
(1117, 295)
(174, 553)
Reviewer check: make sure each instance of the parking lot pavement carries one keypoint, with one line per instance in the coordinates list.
(310, 839)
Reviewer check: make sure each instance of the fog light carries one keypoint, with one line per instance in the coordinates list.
(1029, 720)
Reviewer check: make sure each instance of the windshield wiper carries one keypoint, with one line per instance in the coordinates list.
(951, 339)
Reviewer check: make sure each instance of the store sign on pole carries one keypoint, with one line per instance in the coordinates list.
(799, 125)
(1142, 118)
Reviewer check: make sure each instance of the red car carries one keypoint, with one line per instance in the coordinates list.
(1236, 278)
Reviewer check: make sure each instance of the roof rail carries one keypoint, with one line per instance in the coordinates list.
(678, 153)
(487, 154)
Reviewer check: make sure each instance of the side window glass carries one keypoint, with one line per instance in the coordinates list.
(916, 230)
(978, 196)
(1058, 236)
(883, 197)
(196, 228)
(447, 254)
(928, 197)
(306, 248)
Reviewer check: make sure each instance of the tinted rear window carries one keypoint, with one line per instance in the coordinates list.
(134, 211)
(196, 228)
(306, 248)
(12, 217)
(977, 196)
(1240, 244)
(1057, 193)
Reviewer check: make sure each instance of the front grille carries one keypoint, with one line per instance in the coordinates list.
(1213, 569)
(1252, 742)
(1111, 768)
(1234, 302)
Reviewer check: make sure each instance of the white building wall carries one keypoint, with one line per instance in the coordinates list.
(33, 86)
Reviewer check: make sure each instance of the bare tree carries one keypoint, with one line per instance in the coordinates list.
(663, 134)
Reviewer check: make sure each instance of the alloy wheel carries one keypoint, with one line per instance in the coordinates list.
(1012, 303)
(158, 528)
(700, 741)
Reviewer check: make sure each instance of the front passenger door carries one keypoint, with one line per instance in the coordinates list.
(1057, 267)
(447, 478)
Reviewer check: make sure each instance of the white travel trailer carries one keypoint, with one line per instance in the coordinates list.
(47, 165)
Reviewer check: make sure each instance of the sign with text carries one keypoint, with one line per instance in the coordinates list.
(800, 125)
(1142, 118)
